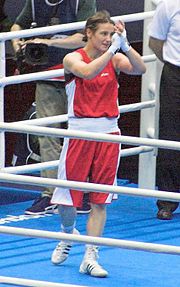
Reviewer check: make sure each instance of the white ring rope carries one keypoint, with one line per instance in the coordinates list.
(46, 131)
(45, 121)
(10, 80)
(33, 283)
(4, 36)
(149, 58)
(23, 169)
(64, 118)
(84, 186)
(125, 244)
(151, 133)
(136, 106)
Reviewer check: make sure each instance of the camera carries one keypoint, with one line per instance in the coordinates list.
(36, 54)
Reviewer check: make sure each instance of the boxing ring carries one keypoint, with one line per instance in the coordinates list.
(145, 146)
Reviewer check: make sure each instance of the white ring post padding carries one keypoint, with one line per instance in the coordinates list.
(84, 186)
(11, 127)
(23, 169)
(33, 283)
(125, 244)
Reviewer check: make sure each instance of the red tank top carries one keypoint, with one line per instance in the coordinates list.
(94, 98)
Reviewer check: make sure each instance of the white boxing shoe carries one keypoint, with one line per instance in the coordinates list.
(90, 265)
(61, 252)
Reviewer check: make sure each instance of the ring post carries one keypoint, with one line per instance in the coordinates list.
(149, 117)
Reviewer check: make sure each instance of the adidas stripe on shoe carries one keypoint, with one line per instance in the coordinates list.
(90, 265)
(92, 268)
(61, 252)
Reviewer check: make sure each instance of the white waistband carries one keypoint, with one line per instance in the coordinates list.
(97, 125)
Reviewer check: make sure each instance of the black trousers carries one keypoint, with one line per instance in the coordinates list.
(168, 161)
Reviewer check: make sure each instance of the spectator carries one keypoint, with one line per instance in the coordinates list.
(165, 42)
(50, 94)
(5, 23)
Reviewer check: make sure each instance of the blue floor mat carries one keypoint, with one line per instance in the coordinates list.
(129, 218)
(12, 193)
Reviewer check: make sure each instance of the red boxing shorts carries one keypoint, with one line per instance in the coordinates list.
(87, 161)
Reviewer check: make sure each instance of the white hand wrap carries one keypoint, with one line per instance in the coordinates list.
(116, 43)
(125, 46)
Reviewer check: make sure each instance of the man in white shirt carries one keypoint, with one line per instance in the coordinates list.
(164, 40)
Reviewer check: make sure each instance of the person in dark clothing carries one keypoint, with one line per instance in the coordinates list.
(165, 43)
(50, 94)
(5, 23)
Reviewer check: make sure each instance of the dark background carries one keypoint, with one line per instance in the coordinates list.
(115, 7)
(18, 98)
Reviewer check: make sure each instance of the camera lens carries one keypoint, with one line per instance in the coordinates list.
(36, 53)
